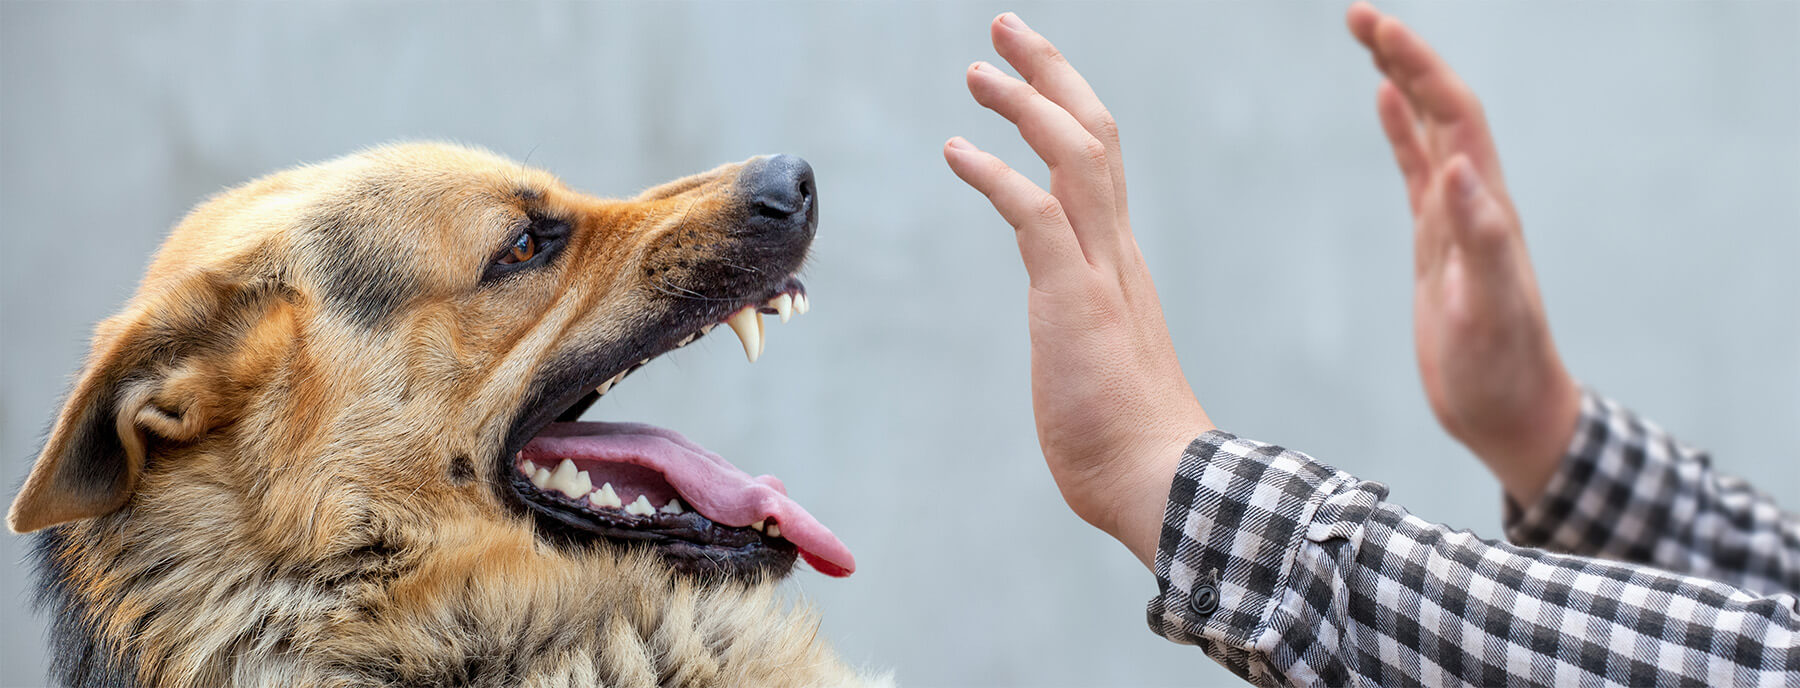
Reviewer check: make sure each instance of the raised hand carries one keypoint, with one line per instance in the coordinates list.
(1490, 368)
(1113, 408)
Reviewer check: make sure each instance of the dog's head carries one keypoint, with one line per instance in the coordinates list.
(408, 333)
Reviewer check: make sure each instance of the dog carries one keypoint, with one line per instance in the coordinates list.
(332, 441)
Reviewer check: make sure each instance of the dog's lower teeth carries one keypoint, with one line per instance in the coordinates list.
(757, 526)
(528, 468)
(605, 497)
(540, 477)
(673, 507)
(774, 530)
(641, 507)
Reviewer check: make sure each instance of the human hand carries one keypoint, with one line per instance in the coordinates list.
(1112, 406)
(1489, 365)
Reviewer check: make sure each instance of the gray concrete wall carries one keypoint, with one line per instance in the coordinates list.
(1653, 150)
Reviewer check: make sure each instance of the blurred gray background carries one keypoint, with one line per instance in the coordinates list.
(1654, 151)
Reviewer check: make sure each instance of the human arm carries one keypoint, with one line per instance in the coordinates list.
(1320, 581)
(1630, 491)
(1581, 474)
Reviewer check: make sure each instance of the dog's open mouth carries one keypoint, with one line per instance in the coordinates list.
(647, 485)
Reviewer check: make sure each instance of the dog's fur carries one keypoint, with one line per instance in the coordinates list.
(278, 467)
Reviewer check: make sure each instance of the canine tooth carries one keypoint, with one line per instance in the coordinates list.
(567, 480)
(528, 468)
(644, 362)
(758, 526)
(774, 530)
(673, 507)
(540, 477)
(801, 305)
(747, 323)
(784, 306)
(606, 497)
(641, 507)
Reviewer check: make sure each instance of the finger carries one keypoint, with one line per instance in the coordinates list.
(1046, 241)
(1452, 115)
(1479, 223)
(1362, 19)
(1045, 68)
(1079, 177)
(1402, 130)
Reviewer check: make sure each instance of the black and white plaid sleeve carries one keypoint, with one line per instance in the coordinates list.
(1627, 490)
(1290, 572)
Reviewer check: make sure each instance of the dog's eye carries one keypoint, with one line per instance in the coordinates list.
(522, 250)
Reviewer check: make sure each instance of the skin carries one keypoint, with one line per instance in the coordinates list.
(1113, 409)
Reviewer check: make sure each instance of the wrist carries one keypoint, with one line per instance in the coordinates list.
(1525, 470)
(1138, 496)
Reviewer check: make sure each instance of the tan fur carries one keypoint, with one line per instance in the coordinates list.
(254, 480)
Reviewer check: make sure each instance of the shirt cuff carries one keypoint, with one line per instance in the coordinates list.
(1236, 514)
(1618, 467)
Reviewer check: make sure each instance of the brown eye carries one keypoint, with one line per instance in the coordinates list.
(522, 250)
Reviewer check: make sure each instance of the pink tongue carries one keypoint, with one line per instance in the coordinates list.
(714, 487)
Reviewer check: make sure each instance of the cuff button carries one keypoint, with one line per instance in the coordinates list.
(1204, 600)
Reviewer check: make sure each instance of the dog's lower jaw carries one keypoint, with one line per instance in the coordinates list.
(484, 613)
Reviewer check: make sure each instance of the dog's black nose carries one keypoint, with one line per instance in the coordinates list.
(780, 189)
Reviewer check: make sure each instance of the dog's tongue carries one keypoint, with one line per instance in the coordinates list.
(709, 483)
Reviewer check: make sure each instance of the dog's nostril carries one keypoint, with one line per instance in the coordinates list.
(779, 187)
(773, 212)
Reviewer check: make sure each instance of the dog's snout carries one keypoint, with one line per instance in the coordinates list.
(780, 189)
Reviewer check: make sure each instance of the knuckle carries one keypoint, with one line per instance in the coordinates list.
(1048, 210)
(1105, 127)
(1093, 152)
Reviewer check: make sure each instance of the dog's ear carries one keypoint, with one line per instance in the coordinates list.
(155, 374)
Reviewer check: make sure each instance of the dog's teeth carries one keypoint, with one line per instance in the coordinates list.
(707, 328)
(606, 497)
(641, 507)
(606, 386)
(801, 305)
(644, 362)
(774, 530)
(758, 526)
(784, 306)
(673, 507)
(568, 480)
(528, 468)
(690, 339)
(540, 477)
(747, 323)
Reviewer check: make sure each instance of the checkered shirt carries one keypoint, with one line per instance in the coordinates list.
(1291, 572)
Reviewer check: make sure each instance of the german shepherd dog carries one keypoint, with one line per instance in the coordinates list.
(331, 441)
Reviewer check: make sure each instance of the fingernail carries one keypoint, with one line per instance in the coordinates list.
(985, 67)
(1012, 21)
(959, 143)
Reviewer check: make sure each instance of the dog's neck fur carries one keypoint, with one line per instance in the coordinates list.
(138, 599)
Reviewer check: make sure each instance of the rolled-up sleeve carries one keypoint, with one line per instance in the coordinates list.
(1628, 490)
(1290, 572)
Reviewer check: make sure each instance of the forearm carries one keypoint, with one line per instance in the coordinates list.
(1628, 490)
(1291, 572)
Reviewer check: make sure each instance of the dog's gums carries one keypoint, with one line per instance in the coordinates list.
(641, 483)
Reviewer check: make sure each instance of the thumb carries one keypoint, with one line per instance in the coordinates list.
(1479, 223)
